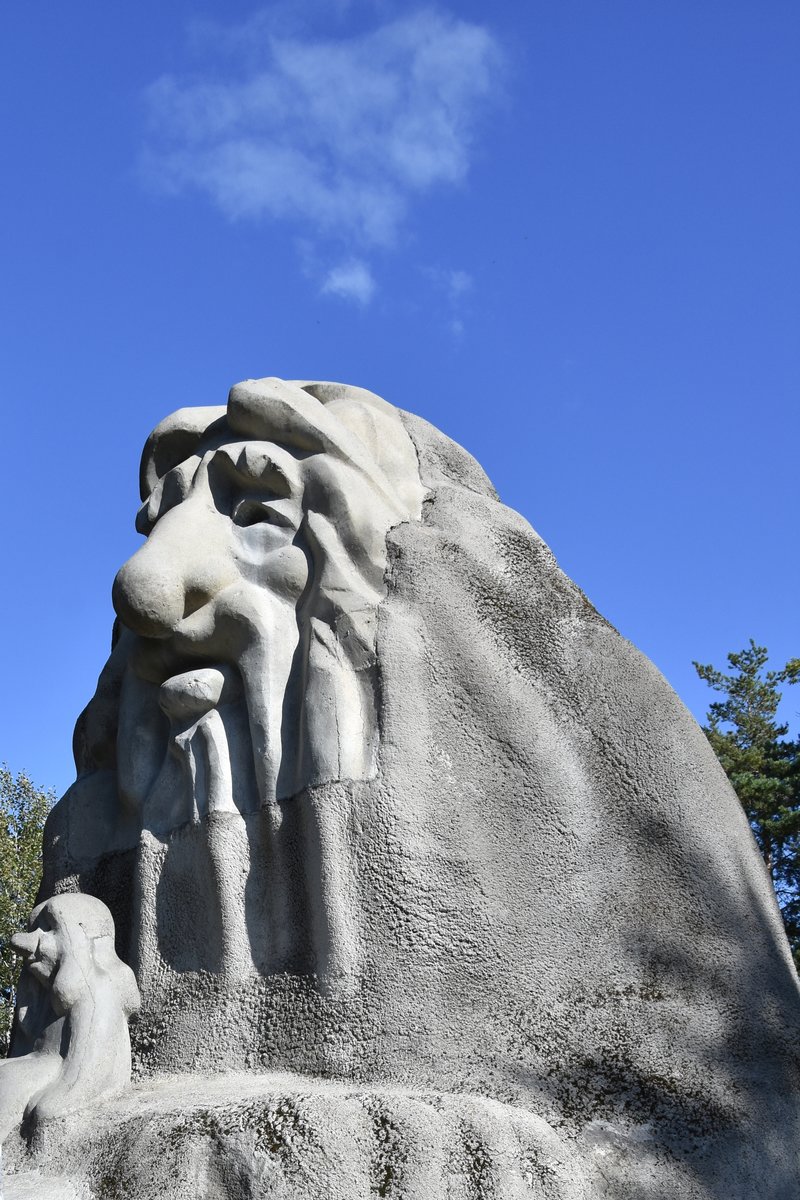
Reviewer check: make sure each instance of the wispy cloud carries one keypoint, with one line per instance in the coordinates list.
(334, 135)
(351, 280)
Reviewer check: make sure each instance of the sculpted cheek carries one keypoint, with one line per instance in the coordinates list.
(284, 571)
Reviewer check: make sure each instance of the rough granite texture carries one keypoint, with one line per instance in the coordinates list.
(530, 951)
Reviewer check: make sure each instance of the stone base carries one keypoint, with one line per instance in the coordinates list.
(291, 1137)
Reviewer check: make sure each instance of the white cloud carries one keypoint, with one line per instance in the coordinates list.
(351, 280)
(334, 135)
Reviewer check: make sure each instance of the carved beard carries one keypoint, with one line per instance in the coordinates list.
(213, 764)
(296, 707)
(246, 673)
(207, 750)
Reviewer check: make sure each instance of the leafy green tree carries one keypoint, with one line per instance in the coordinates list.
(763, 764)
(23, 810)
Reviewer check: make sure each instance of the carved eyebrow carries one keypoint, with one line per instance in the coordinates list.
(254, 462)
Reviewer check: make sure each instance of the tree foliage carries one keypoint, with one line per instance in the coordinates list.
(23, 810)
(763, 764)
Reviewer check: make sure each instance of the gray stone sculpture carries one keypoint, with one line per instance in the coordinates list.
(431, 885)
(71, 1045)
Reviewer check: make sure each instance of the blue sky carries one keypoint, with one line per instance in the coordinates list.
(565, 232)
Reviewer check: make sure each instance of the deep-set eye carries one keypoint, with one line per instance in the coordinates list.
(251, 512)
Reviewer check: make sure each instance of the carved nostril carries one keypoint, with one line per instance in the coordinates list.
(194, 599)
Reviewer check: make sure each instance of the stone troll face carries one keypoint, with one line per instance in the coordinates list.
(244, 669)
(262, 571)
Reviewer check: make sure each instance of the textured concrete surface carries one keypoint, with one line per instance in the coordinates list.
(529, 885)
(256, 1135)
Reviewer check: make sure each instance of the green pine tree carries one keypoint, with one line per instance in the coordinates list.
(763, 765)
(23, 810)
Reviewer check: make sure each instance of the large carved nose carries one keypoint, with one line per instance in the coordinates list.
(177, 571)
(148, 595)
(25, 943)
